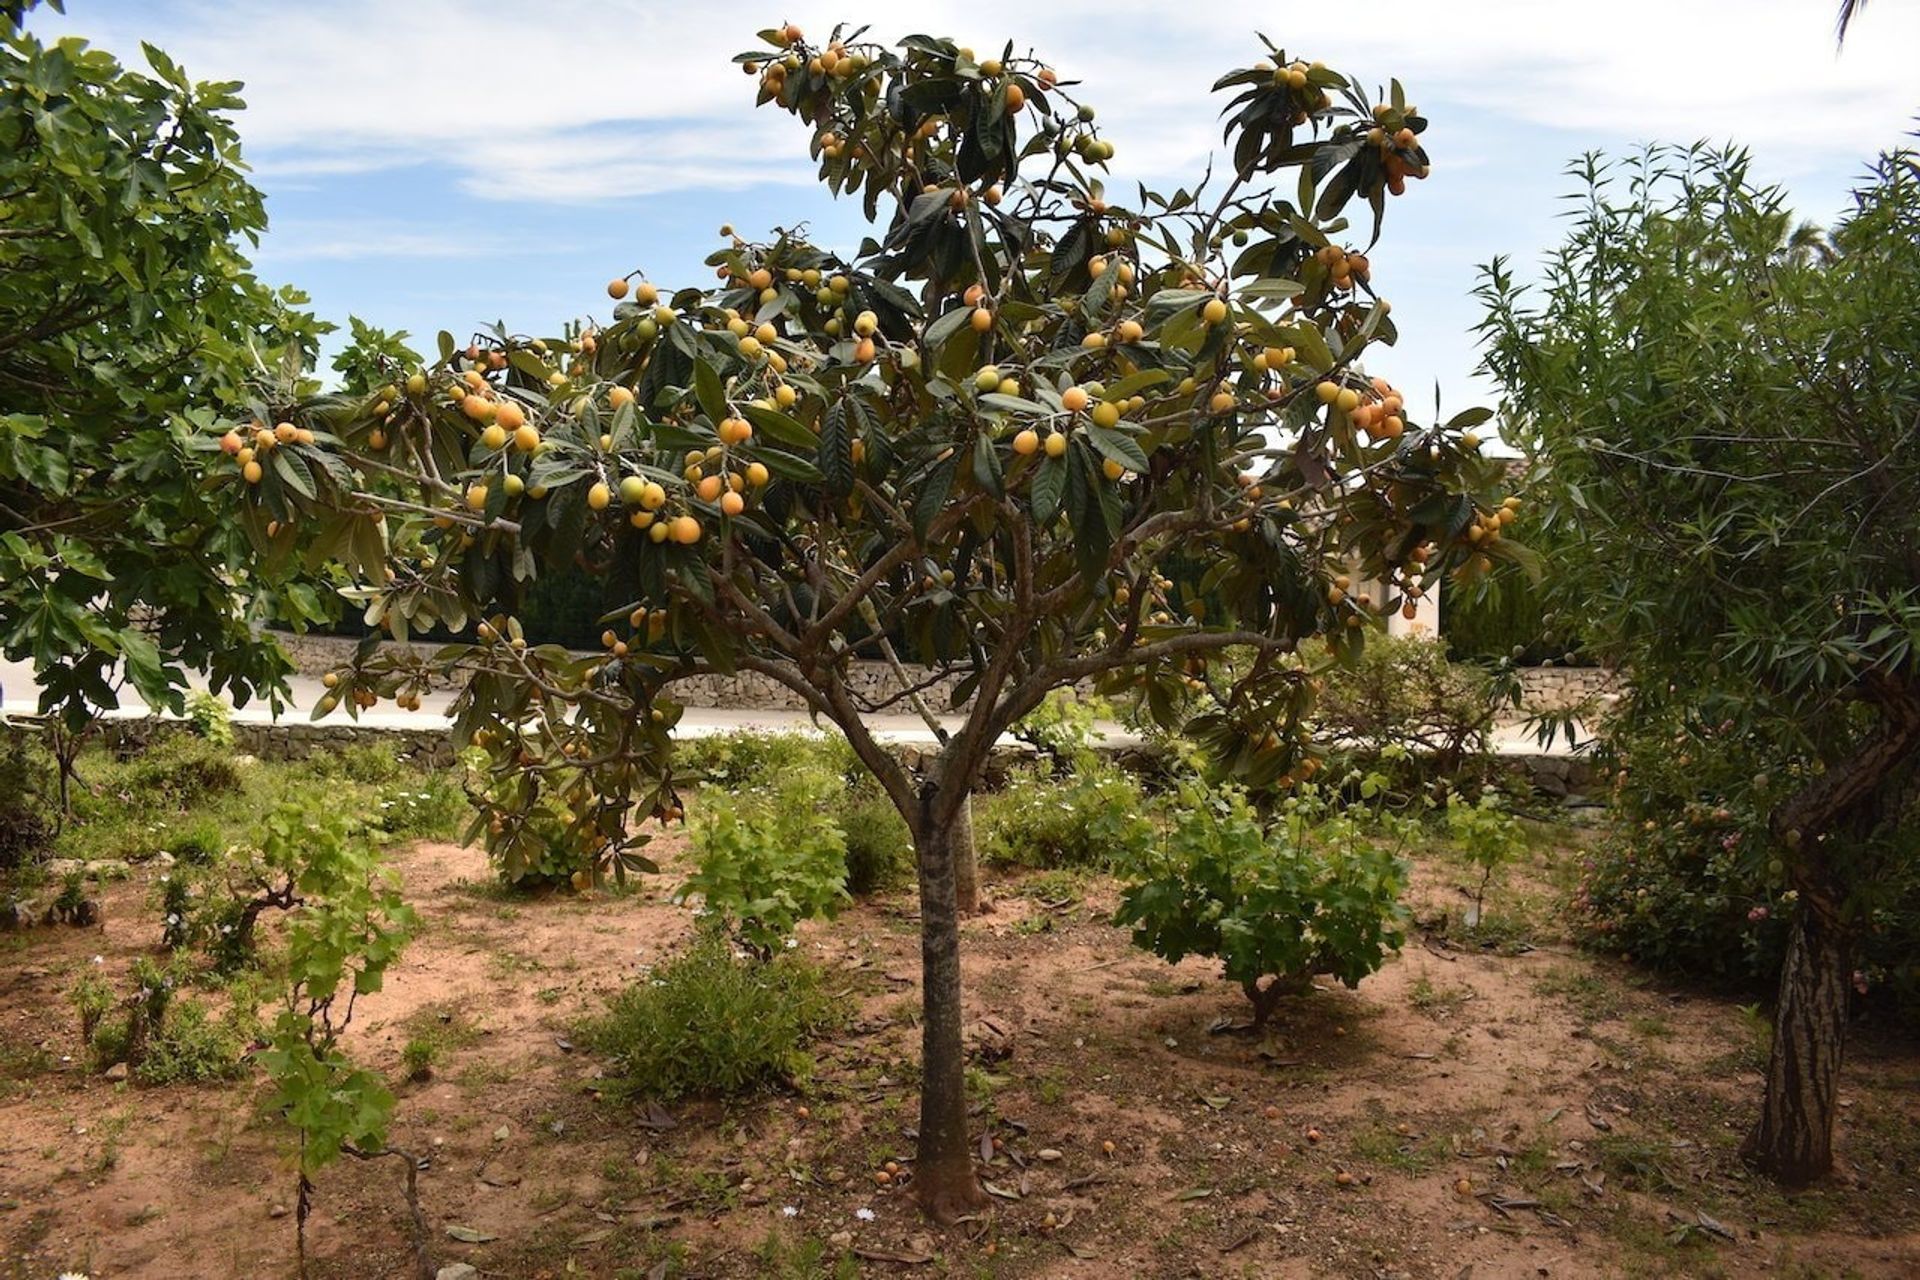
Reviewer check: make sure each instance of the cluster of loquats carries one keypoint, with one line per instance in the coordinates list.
(1395, 138)
(253, 448)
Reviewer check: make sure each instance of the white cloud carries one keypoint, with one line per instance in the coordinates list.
(347, 240)
(578, 101)
(586, 103)
(606, 162)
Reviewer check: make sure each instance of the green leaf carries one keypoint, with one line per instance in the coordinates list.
(779, 428)
(1119, 446)
(1049, 483)
(933, 494)
(836, 450)
(708, 390)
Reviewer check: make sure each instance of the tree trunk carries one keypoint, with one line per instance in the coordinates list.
(943, 1175)
(966, 863)
(1793, 1139)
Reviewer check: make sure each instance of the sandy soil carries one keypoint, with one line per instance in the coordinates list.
(1497, 1115)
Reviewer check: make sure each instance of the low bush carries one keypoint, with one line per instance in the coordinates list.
(1488, 836)
(712, 1022)
(367, 762)
(763, 862)
(1317, 892)
(192, 1047)
(429, 808)
(26, 832)
(1095, 816)
(198, 844)
(1061, 729)
(755, 773)
(177, 771)
(164, 1037)
(879, 848)
(417, 1057)
(1403, 709)
(177, 902)
(211, 718)
(749, 760)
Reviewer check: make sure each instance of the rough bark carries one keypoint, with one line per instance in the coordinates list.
(943, 1174)
(966, 861)
(1793, 1139)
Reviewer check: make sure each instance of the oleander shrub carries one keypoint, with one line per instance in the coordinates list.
(1686, 881)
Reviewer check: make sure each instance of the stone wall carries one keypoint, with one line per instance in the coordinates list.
(1559, 688)
(1546, 688)
(745, 691)
(1554, 776)
(293, 740)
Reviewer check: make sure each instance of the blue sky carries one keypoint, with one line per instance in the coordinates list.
(440, 164)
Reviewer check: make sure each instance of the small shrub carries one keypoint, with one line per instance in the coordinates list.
(417, 1057)
(747, 760)
(1488, 836)
(176, 911)
(1061, 729)
(879, 848)
(108, 1044)
(1401, 707)
(1318, 893)
(1683, 881)
(178, 772)
(764, 865)
(71, 900)
(164, 1037)
(26, 835)
(211, 718)
(199, 844)
(430, 808)
(92, 999)
(1092, 817)
(349, 924)
(360, 762)
(191, 1048)
(710, 1022)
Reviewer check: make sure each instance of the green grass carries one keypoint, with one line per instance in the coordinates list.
(1436, 1001)
(1593, 996)
(188, 798)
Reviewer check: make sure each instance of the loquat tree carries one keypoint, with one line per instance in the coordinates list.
(1026, 436)
(1724, 408)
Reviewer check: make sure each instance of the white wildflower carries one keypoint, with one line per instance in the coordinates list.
(788, 1211)
(864, 1214)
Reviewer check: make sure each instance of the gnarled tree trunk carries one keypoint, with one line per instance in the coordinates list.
(1846, 802)
(1793, 1139)
(943, 1174)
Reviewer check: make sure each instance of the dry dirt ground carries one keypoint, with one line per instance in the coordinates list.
(1498, 1112)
